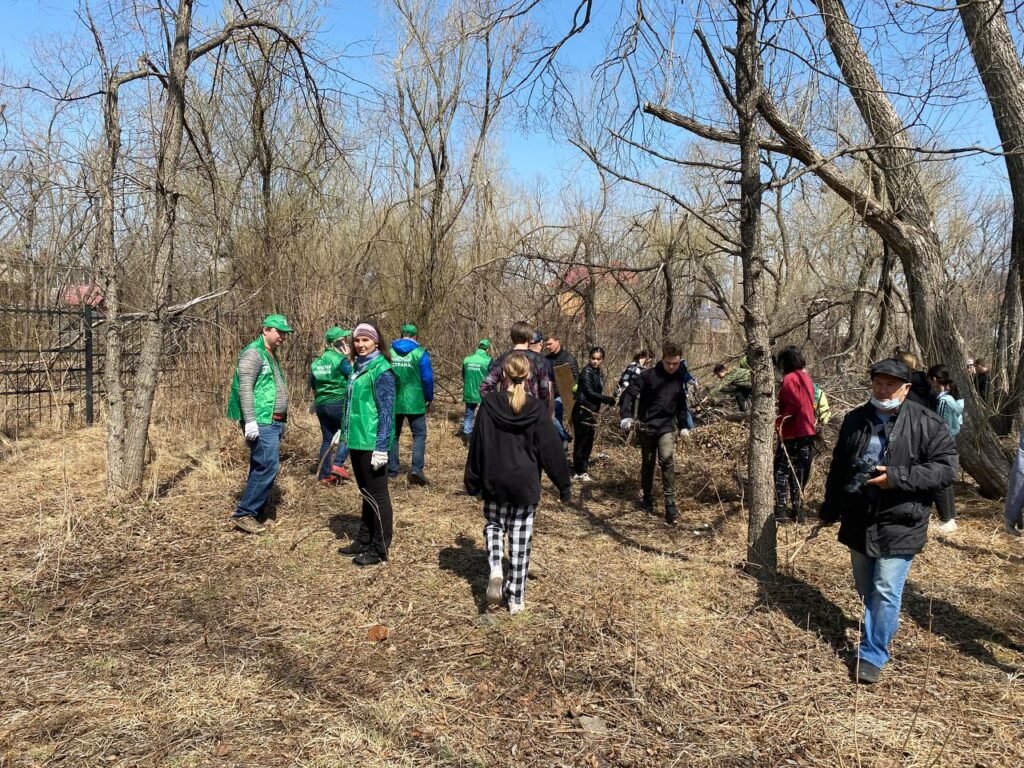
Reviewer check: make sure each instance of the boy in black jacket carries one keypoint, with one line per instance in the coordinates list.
(660, 417)
(513, 437)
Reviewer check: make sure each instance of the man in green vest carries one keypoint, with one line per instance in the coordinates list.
(328, 378)
(474, 370)
(415, 374)
(259, 403)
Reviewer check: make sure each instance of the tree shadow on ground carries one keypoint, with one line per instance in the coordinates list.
(980, 551)
(807, 607)
(606, 527)
(960, 629)
(166, 486)
(469, 561)
(344, 527)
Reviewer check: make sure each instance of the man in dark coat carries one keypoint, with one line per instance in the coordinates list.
(891, 457)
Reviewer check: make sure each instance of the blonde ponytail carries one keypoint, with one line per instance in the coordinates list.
(517, 371)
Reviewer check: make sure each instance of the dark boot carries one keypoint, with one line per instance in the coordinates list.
(671, 513)
(647, 505)
(798, 513)
(781, 514)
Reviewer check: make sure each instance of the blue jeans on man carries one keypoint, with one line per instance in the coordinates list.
(879, 582)
(469, 419)
(264, 464)
(330, 416)
(418, 426)
(563, 435)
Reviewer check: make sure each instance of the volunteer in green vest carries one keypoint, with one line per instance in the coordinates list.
(259, 402)
(328, 378)
(415, 374)
(474, 369)
(369, 433)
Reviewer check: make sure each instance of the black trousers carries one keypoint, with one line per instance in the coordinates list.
(945, 503)
(378, 518)
(792, 471)
(584, 425)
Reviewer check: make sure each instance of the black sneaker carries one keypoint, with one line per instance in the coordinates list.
(418, 478)
(671, 514)
(868, 673)
(647, 506)
(369, 557)
(781, 516)
(353, 548)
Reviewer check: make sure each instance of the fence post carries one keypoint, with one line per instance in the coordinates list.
(87, 316)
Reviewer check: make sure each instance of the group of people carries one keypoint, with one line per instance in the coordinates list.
(894, 457)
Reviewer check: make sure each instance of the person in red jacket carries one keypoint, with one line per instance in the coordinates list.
(795, 428)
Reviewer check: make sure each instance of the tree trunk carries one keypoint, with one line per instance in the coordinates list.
(885, 290)
(1002, 74)
(762, 557)
(908, 225)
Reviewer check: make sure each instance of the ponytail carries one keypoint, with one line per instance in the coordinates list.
(517, 371)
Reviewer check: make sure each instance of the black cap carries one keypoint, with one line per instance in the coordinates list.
(891, 367)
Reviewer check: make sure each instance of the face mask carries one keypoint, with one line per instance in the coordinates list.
(886, 405)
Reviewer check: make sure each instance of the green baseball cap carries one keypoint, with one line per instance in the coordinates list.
(335, 333)
(484, 344)
(409, 328)
(278, 321)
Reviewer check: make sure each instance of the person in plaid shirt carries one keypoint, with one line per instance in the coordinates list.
(513, 438)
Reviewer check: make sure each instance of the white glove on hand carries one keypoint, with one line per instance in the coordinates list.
(252, 430)
(378, 459)
(336, 440)
(625, 424)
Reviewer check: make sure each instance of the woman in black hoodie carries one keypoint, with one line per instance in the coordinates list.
(589, 399)
(513, 438)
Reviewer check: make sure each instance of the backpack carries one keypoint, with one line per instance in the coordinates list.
(822, 411)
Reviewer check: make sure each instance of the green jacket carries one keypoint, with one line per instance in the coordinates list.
(329, 376)
(474, 370)
(410, 399)
(362, 420)
(264, 393)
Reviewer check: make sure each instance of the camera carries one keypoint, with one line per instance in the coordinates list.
(863, 470)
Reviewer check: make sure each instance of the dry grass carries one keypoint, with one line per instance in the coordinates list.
(154, 635)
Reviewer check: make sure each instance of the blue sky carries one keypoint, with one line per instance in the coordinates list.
(356, 26)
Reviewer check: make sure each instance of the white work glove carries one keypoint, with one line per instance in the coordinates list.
(683, 433)
(336, 440)
(379, 459)
(252, 430)
(625, 424)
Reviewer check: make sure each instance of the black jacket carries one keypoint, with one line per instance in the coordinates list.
(564, 357)
(662, 400)
(921, 460)
(590, 390)
(508, 449)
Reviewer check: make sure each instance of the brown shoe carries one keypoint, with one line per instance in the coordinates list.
(249, 524)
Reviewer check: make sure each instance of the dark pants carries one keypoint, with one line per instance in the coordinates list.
(329, 415)
(742, 394)
(792, 470)
(375, 527)
(264, 464)
(662, 447)
(945, 503)
(584, 424)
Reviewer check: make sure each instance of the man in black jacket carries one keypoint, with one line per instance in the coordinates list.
(891, 457)
(660, 418)
(559, 355)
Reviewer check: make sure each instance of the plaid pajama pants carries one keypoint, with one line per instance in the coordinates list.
(517, 522)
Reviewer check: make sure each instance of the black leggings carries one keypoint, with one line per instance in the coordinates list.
(792, 470)
(945, 503)
(376, 525)
(584, 424)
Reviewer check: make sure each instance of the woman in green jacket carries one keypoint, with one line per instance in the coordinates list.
(369, 433)
(328, 378)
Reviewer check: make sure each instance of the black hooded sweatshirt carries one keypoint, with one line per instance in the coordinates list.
(507, 451)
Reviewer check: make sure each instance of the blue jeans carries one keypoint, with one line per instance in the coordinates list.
(559, 420)
(264, 464)
(467, 422)
(1013, 512)
(330, 415)
(418, 425)
(879, 583)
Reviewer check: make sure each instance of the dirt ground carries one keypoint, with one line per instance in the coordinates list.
(155, 635)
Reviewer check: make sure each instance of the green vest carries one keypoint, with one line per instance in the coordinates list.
(331, 380)
(409, 399)
(264, 392)
(474, 371)
(361, 422)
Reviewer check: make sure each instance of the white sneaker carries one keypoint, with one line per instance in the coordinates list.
(494, 588)
(949, 526)
(514, 608)
(586, 478)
